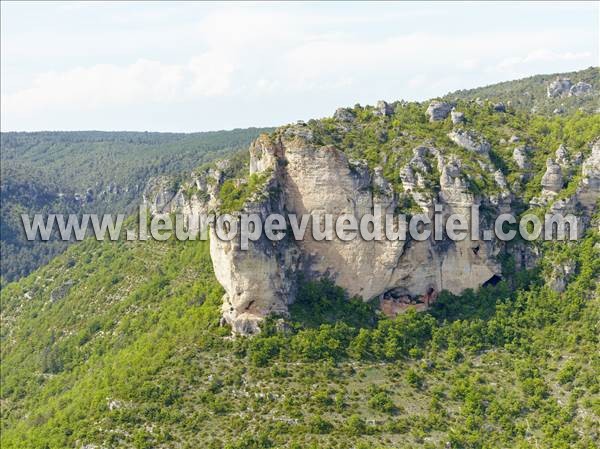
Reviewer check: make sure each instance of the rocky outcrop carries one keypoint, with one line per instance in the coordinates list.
(457, 117)
(344, 115)
(310, 179)
(552, 181)
(500, 180)
(582, 204)
(562, 87)
(438, 110)
(580, 89)
(470, 141)
(589, 187)
(559, 87)
(560, 275)
(158, 194)
(304, 177)
(383, 109)
(562, 155)
(521, 159)
(591, 167)
(193, 200)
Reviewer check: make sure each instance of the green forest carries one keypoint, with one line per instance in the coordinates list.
(120, 344)
(90, 172)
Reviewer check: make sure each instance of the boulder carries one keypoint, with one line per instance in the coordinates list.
(344, 115)
(457, 117)
(559, 87)
(470, 141)
(383, 109)
(562, 155)
(438, 110)
(552, 181)
(520, 158)
(580, 89)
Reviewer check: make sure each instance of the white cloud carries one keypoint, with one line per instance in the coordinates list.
(99, 85)
(284, 52)
(544, 55)
(210, 74)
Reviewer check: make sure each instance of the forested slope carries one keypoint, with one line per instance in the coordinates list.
(531, 94)
(92, 172)
(119, 345)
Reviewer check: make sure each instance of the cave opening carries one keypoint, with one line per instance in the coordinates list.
(493, 280)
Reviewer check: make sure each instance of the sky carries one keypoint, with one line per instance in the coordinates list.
(186, 67)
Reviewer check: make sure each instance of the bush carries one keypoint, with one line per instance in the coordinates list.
(356, 426)
(382, 403)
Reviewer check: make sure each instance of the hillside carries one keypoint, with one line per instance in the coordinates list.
(144, 344)
(118, 345)
(401, 158)
(531, 94)
(91, 172)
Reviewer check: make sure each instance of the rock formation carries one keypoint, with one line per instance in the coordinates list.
(559, 87)
(552, 181)
(562, 156)
(457, 117)
(520, 158)
(344, 115)
(470, 141)
(158, 194)
(302, 176)
(580, 89)
(383, 109)
(310, 179)
(582, 203)
(562, 87)
(438, 110)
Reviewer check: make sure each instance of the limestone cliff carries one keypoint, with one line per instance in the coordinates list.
(316, 180)
(302, 174)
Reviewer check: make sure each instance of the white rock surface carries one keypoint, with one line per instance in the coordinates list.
(457, 117)
(552, 180)
(559, 87)
(521, 159)
(470, 141)
(316, 180)
(438, 110)
(580, 89)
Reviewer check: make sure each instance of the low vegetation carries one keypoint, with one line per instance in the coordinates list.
(42, 172)
(118, 345)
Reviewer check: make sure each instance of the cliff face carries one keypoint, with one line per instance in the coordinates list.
(317, 180)
(301, 174)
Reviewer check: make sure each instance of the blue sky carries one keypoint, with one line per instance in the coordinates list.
(206, 66)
